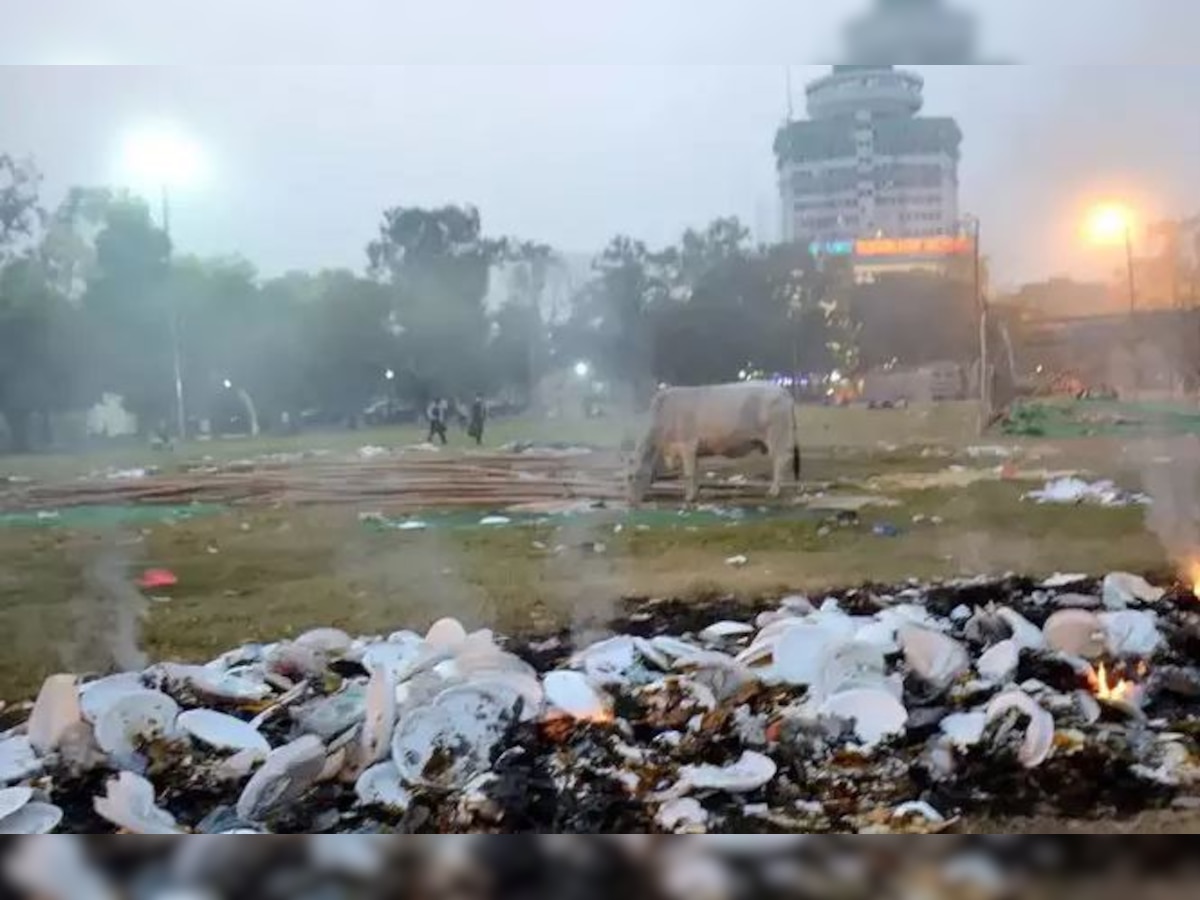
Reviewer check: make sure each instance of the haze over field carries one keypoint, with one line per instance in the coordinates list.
(570, 128)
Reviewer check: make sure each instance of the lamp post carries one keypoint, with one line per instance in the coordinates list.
(166, 159)
(1112, 224)
(975, 229)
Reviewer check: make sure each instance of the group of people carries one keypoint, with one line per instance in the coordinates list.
(438, 413)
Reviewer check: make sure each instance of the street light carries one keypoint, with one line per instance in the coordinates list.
(583, 369)
(164, 158)
(390, 374)
(1110, 225)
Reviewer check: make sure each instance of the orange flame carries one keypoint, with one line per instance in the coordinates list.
(1193, 577)
(1112, 690)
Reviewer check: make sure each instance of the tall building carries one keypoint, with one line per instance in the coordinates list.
(866, 165)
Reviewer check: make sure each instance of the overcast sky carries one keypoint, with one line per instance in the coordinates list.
(570, 121)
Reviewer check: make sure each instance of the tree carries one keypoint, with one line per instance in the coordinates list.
(127, 308)
(348, 345)
(438, 265)
(20, 213)
(519, 340)
(38, 341)
(39, 346)
(612, 317)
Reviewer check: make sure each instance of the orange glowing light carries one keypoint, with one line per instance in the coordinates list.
(1193, 577)
(1112, 690)
(1110, 224)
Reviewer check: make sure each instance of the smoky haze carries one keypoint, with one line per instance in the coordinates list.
(570, 130)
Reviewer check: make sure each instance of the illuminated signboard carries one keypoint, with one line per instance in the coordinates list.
(886, 247)
(832, 248)
(926, 246)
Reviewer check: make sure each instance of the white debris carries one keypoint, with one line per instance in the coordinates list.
(1062, 580)
(738, 561)
(17, 759)
(1039, 733)
(288, 773)
(223, 732)
(918, 809)
(451, 740)
(964, 730)
(1073, 490)
(683, 815)
(32, 818)
(55, 713)
(380, 786)
(722, 631)
(937, 659)
(1122, 589)
(1027, 635)
(129, 804)
(999, 664)
(875, 713)
(748, 774)
(1132, 633)
(133, 719)
(573, 694)
(1076, 632)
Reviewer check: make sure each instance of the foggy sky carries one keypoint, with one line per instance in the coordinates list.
(570, 122)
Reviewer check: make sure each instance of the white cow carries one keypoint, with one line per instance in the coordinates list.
(729, 420)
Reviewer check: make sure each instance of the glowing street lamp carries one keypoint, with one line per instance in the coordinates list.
(583, 369)
(390, 374)
(165, 158)
(1111, 224)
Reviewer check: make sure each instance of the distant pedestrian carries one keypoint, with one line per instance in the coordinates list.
(477, 420)
(436, 413)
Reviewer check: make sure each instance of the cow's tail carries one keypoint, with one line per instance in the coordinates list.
(795, 444)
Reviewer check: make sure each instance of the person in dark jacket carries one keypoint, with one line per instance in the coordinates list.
(437, 420)
(477, 420)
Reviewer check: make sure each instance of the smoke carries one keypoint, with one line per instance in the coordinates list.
(1169, 476)
(107, 616)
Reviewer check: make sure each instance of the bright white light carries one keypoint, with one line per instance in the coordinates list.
(162, 156)
(390, 375)
(228, 384)
(743, 375)
(835, 377)
(583, 369)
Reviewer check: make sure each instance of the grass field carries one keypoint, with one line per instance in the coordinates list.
(820, 427)
(267, 572)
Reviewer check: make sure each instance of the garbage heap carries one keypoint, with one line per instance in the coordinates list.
(904, 710)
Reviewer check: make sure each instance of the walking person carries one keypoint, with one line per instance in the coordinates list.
(436, 413)
(477, 420)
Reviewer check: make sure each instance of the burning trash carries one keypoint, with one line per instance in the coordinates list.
(867, 711)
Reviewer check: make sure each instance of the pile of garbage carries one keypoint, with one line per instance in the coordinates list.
(867, 711)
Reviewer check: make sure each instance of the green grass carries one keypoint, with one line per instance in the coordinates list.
(820, 427)
(263, 574)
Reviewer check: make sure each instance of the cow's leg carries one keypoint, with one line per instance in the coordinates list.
(781, 457)
(690, 472)
(779, 445)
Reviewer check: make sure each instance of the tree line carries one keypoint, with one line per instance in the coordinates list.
(93, 298)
